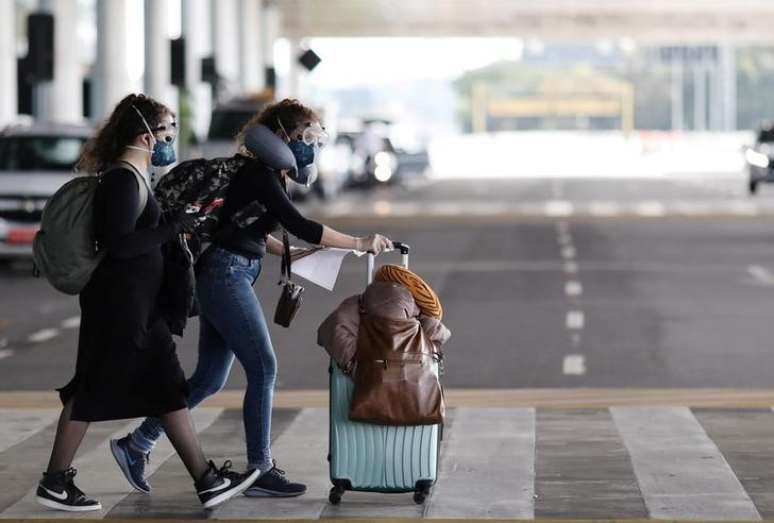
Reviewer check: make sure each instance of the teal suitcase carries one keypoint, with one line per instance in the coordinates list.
(378, 458)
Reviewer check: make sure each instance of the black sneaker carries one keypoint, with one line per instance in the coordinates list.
(274, 483)
(57, 490)
(131, 462)
(218, 486)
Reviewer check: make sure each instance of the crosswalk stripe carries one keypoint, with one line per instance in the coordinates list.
(582, 469)
(99, 476)
(18, 425)
(680, 471)
(488, 466)
(302, 449)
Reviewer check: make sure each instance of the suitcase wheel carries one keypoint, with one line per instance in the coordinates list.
(335, 496)
(422, 490)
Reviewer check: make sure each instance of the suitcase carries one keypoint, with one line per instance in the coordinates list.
(378, 458)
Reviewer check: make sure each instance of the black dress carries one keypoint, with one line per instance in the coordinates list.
(127, 366)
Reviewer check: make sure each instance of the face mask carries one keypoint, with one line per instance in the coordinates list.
(306, 156)
(163, 153)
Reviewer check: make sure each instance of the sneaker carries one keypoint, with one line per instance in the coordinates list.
(274, 483)
(220, 485)
(57, 490)
(131, 462)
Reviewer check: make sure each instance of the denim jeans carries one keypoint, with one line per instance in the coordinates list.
(231, 324)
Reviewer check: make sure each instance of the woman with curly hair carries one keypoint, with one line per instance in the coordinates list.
(127, 366)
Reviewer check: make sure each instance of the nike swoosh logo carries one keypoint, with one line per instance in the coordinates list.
(58, 495)
(226, 483)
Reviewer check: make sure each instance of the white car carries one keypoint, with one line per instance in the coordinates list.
(35, 161)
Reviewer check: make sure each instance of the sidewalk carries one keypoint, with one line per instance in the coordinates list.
(568, 454)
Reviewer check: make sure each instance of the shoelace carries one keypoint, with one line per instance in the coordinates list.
(277, 472)
(225, 469)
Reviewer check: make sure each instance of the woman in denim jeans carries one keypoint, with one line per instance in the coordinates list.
(232, 323)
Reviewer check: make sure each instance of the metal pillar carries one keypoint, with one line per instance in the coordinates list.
(728, 85)
(8, 94)
(198, 45)
(157, 52)
(700, 98)
(251, 66)
(61, 100)
(225, 42)
(678, 122)
(112, 81)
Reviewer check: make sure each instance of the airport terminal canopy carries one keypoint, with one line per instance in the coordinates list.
(646, 21)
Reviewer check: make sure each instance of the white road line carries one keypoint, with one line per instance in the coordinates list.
(559, 208)
(481, 442)
(5, 353)
(573, 288)
(568, 252)
(576, 320)
(761, 275)
(680, 471)
(604, 208)
(574, 365)
(650, 209)
(20, 424)
(71, 323)
(571, 267)
(43, 335)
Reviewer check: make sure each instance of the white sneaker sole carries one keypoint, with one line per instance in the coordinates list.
(228, 494)
(67, 508)
(120, 457)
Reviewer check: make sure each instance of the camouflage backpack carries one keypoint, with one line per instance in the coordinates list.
(200, 186)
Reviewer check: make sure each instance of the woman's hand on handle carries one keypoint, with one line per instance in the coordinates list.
(375, 243)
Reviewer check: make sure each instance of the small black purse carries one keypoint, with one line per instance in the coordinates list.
(291, 296)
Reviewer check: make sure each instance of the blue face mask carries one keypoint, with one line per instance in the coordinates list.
(163, 153)
(305, 155)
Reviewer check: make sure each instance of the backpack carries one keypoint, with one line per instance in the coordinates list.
(64, 248)
(200, 186)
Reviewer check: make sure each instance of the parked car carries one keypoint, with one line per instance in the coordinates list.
(760, 158)
(35, 161)
(226, 121)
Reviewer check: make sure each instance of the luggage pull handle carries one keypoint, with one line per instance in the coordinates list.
(399, 246)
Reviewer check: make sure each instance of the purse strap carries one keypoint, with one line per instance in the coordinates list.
(286, 264)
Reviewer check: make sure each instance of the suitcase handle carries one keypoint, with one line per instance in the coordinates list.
(400, 246)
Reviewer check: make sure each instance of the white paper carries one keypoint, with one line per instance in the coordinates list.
(322, 266)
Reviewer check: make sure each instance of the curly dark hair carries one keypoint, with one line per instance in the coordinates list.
(120, 130)
(289, 111)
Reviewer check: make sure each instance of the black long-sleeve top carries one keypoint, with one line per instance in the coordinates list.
(256, 183)
(120, 231)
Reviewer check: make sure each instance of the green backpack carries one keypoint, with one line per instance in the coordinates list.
(64, 248)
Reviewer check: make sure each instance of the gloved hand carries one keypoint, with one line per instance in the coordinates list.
(183, 222)
(375, 243)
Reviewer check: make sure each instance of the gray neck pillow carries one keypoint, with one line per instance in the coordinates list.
(269, 148)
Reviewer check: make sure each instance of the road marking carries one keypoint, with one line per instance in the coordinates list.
(559, 208)
(5, 353)
(43, 335)
(574, 365)
(571, 267)
(650, 209)
(71, 323)
(680, 471)
(761, 275)
(568, 252)
(604, 209)
(481, 443)
(576, 320)
(573, 288)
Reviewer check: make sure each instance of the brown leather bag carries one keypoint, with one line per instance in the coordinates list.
(394, 381)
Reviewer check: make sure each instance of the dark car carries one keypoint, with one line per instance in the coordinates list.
(760, 158)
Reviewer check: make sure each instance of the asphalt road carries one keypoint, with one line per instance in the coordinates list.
(542, 299)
